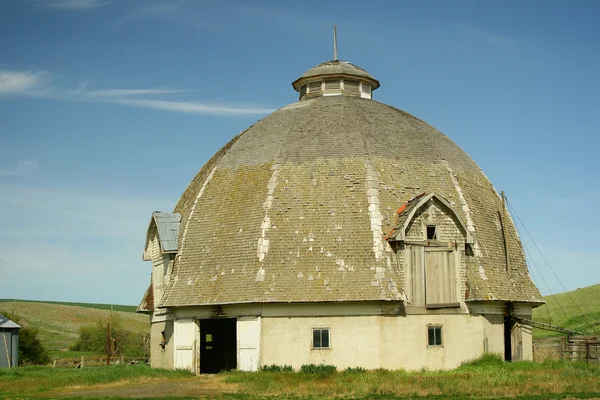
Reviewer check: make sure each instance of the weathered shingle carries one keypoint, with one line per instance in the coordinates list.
(296, 208)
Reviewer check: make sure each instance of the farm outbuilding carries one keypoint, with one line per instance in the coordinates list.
(337, 230)
(9, 343)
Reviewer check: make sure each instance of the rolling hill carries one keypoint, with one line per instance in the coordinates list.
(577, 310)
(58, 323)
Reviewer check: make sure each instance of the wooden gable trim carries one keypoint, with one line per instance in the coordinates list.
(423, 201)
(147, 255)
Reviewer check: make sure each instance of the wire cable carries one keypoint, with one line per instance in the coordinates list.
(549, 266)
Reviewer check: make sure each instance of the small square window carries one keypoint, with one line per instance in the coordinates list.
(431, 232)
(320, 338)
(434, 336)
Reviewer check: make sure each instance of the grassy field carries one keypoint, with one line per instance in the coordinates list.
(482, 379)
(561, 309)
(98, 306)
(59, 324)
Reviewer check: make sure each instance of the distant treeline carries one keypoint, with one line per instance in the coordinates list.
(115, 307)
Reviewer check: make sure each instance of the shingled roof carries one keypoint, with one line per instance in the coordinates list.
(295, 209)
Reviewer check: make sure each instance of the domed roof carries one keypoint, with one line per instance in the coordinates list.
(336, 68)
(296, 208)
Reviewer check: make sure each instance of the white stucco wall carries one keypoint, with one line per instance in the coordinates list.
(162, 357)
(390, 342)
(370, 335)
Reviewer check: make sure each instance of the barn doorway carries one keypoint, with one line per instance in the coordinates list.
(218, 350)
(508, 324)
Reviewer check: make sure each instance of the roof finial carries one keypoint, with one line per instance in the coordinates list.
(334, 43)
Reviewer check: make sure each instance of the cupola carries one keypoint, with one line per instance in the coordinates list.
(335, 78)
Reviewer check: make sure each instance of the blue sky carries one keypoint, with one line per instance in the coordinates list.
(109, 108)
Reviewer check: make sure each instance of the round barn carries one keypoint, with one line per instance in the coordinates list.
(337, 230)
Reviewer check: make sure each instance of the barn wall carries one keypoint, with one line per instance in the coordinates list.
(371, 335)
(390, 342)
(159, 357)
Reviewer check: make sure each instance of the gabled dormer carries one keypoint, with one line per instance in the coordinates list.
(408, 213)
(434, 243)
(160, 248)
(164, 228)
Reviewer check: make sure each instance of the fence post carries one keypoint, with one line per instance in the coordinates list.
(108, 343)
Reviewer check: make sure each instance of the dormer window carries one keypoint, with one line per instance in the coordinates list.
(431, 232)
(314, 87)
(332, 84)
(366, 90)
(351, 87)
(302, 91)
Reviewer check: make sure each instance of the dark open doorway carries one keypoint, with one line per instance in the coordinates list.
(217, 345)
(508, 324)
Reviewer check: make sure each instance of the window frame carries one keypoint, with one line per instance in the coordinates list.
(434, 327)
(312, 340)
(435, 231)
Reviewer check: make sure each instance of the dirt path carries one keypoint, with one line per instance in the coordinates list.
(201, 386)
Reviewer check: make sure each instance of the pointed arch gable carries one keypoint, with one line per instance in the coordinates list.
(408, 212)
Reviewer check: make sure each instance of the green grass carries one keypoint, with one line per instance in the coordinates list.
(31, 380)
(563, 309)
(485, 378)
(69, 354)
(98, 306)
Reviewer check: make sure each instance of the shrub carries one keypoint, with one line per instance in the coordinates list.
(320, 370)
(277, 368)
(354, 370)
(31, 349)
(488, 360)
(122, 341)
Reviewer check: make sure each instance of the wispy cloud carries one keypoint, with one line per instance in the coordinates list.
(191, 107)
(21, 82)
(75, 5)
(495, 39)
(132, 92)
(22, 168)
(38, 84)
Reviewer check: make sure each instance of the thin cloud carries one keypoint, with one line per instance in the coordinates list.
(495, 39)
(191, 107)
(16, 83)
(19, 82)
(76, 5)
(22, 168)
(132, 92)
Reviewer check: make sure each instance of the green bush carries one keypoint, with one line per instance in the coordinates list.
(320, 370)
(123, 342)
(277, 368)
(31, 349)
(354, 370)
(488, 360)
